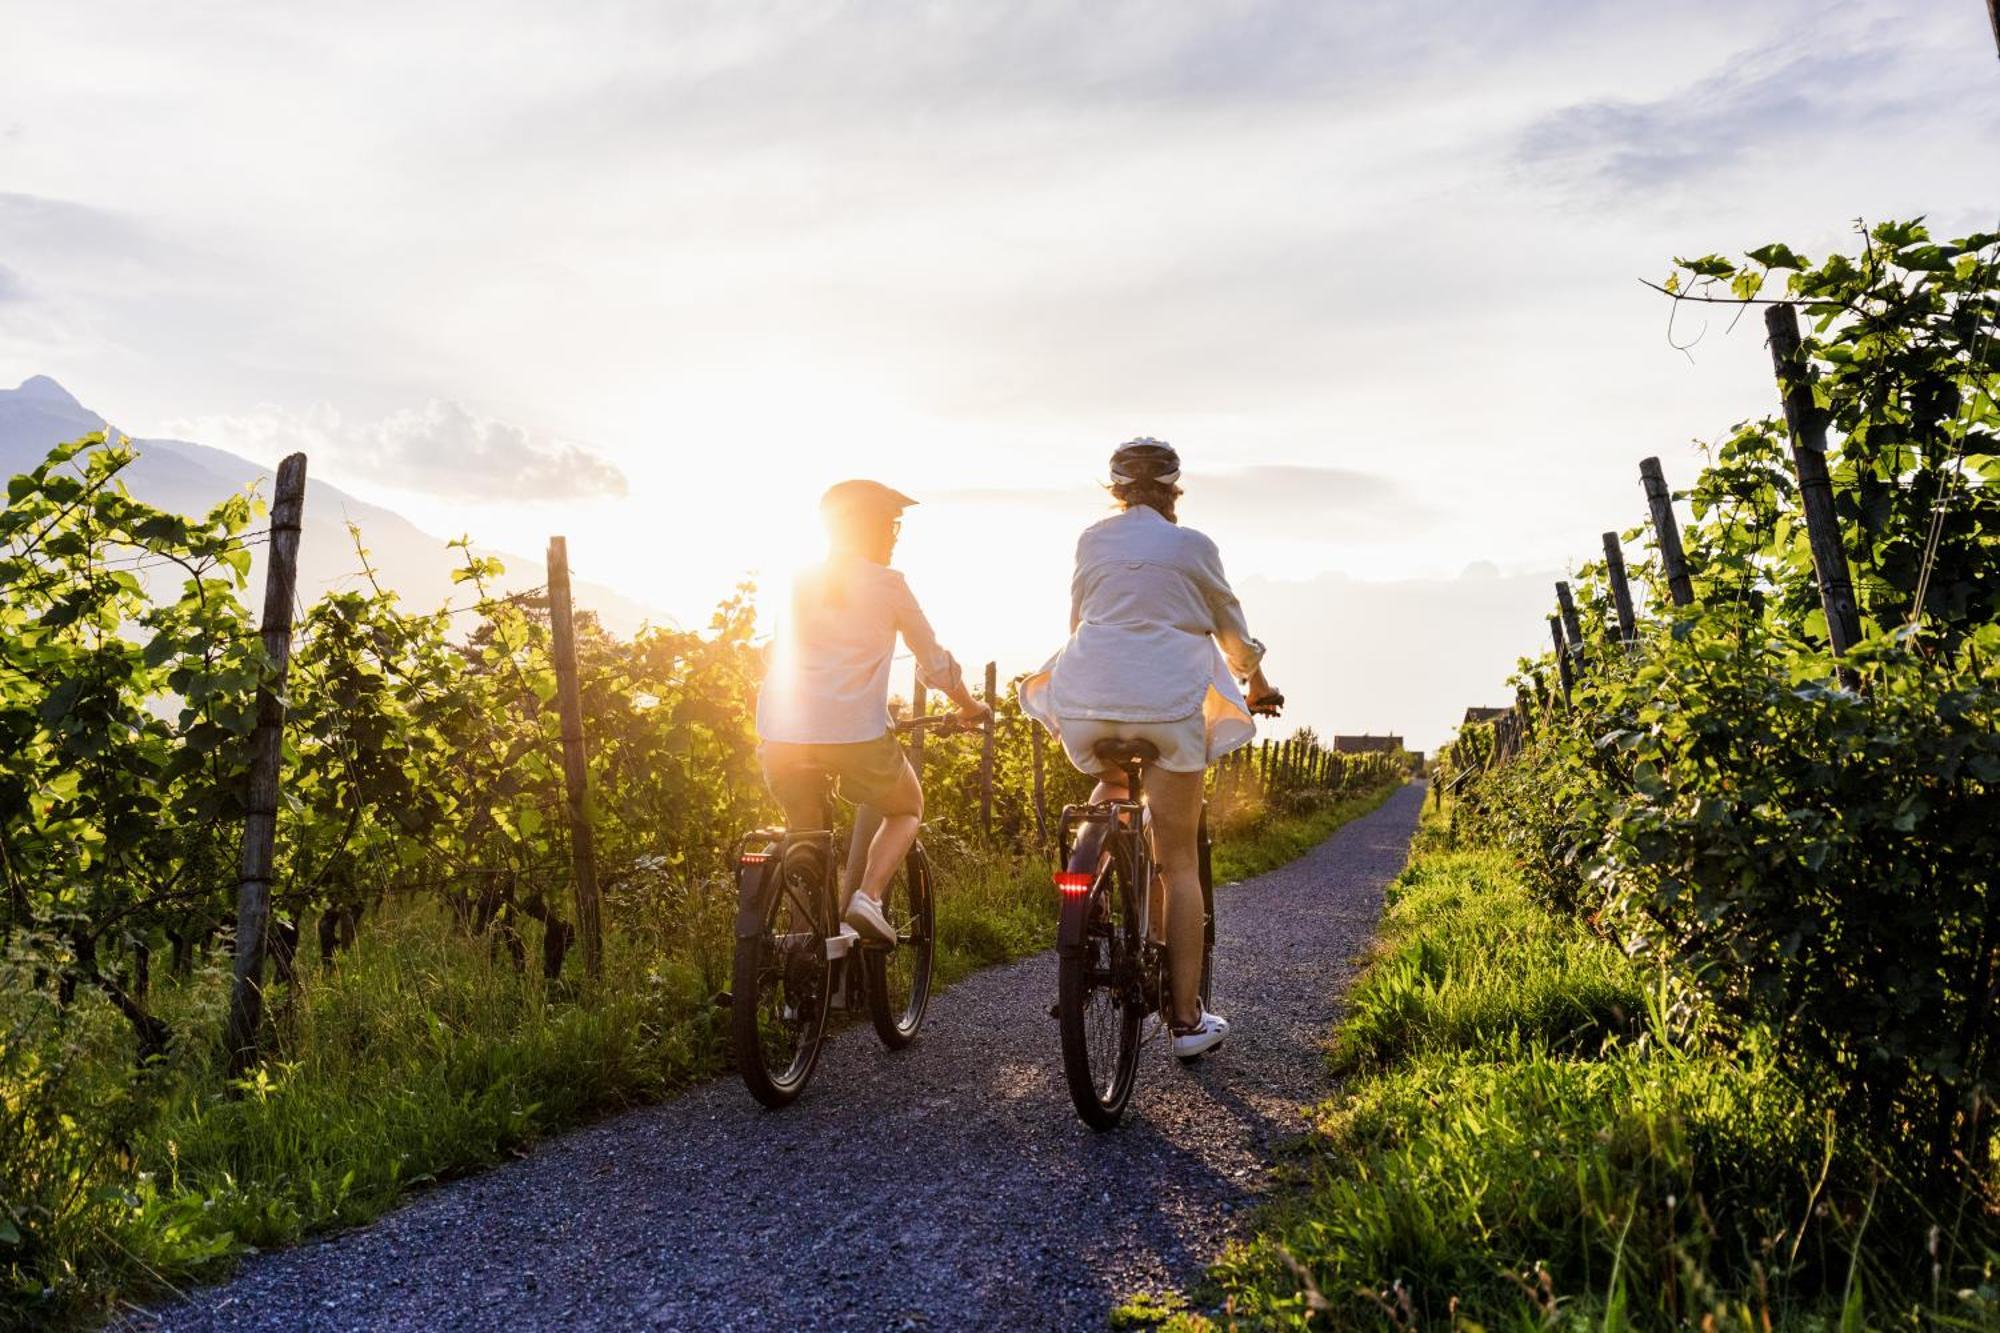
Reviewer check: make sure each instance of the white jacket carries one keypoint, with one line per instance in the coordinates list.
(1158, 633)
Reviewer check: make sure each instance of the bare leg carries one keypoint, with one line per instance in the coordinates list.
(902, 811)
(1175, 800)
(1113, 787)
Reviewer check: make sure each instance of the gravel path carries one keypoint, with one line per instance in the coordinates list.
(949, 1186)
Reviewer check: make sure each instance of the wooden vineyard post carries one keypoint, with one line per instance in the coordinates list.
(1562, 656)
(1808, 431)
(1667, 531)
(1264, 771)
(986, 749)
(260, 820)
(1572, 626)
(1041, 800)
(1621, 591)
(919, 702)
(576, 773)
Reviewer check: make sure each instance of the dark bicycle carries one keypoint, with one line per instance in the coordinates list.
(1112, 969)
(797, 962)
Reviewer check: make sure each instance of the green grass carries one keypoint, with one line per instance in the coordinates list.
(1260, 840)
(1536, 1131)
(421, 1057)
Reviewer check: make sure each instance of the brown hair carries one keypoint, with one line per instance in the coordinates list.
(1158, 496)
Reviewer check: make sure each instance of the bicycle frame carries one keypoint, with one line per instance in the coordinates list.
(1133, 821)
(761, 856)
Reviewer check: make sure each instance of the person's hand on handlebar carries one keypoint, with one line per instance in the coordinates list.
(972, 710)
(1264, 698)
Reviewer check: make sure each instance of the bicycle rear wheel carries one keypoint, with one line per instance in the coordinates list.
(782, 980)
(1098, 998)
(899, 979)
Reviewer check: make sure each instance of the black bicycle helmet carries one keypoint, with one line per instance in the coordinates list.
(1145, 459)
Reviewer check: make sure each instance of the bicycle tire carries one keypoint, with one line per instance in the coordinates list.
(782, 982)
(1097, 987)
(899, 979)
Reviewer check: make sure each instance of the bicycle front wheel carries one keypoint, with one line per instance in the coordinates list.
(899, 979)
(782, 985)
(1098, 992)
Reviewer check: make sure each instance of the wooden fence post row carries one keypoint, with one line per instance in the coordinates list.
(1805, 424)
(260, 820)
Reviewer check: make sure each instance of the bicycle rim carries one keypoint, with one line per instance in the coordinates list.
(899, 979)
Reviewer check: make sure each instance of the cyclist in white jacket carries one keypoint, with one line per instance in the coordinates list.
(1157, 644)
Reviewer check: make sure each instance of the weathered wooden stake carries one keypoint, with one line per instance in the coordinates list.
(1562, 655)
(1808, 431)
(919, 702)
(260, 820)
(1041, 801)
(576, 772)
(1621, 591)
(986, 748)
(1572, 626)
(1667, 532)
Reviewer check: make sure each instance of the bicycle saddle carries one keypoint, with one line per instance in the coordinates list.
(1121, 750)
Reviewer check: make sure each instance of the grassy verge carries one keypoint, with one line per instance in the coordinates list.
(1261, 840)
(1536, 1131)
(421, 1057)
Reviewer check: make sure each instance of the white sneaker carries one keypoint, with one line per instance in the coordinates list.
(1205, 1037)
(865, 915)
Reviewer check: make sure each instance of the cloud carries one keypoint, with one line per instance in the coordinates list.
(1754, 110)
(12, 287)
(38, 220)
(443, 447)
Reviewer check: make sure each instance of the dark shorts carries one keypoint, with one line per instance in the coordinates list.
(867, 770)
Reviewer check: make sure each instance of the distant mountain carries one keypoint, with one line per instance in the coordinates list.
(191, 478)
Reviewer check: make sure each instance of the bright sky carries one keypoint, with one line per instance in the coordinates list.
(652, 275)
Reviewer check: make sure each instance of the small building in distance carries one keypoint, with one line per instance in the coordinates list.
(1473, 715)
(1365, 744)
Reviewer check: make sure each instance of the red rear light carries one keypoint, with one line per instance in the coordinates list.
(1074, 881)
(754, 858)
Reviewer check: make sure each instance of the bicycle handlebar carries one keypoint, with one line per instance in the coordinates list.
(945, 724)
